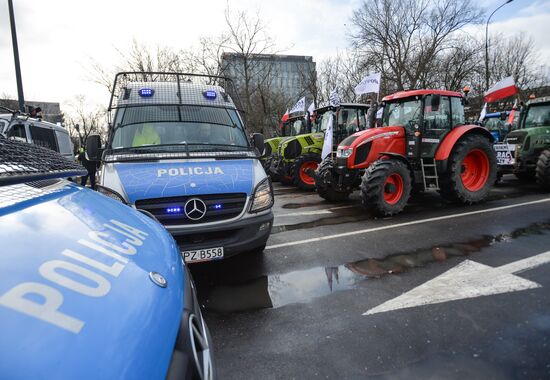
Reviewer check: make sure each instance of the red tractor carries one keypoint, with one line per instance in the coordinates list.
(423, 144)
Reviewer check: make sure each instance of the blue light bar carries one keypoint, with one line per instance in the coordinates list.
(217, 206)
(173, 210)
(146, 92)
(210, 94)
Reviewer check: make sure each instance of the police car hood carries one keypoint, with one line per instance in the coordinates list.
(76, 299)
(145, 180)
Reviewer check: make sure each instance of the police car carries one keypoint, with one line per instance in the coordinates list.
(89, 289)
(178, 151)
(21, 127)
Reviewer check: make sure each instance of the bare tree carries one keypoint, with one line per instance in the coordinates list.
(81, 122)
(403, 39)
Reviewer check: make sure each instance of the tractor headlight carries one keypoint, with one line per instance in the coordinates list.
(111, 194)
(263, 196)
(344, 152)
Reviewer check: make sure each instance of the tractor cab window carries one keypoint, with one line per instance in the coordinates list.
(537, 116)
(402, 113)
(298, 127)
(348, 121)
(362, 119)
(457, 109)
(437, 117)
(322, 124)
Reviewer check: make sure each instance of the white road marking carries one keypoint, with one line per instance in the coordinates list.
(467, 280)
(315, 212)
(399, 225)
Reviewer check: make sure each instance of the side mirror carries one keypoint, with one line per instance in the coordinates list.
(258, 142)
(93, 148)
(435, 102)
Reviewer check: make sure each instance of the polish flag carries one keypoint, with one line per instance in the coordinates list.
(285, 116)
(512, 113)
(501, 90)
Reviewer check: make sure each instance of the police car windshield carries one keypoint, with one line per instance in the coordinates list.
(400, 113)
(537, 116)
(192, 127)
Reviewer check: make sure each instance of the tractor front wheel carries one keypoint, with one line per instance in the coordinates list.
(275, 177)
(386, 187)
(471, 170)
(303, 170)
(323, 183)
(543, 170)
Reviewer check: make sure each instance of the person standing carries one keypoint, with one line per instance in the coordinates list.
(91, 167)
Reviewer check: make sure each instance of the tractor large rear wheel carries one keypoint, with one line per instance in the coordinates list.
(386, 187)
(323, 183)
(471, 170)
(543, 170)
(303, 170)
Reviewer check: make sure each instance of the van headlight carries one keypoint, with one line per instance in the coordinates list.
(111, 194)
(344, 152)
(263, 196)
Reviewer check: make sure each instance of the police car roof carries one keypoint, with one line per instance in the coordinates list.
(168, 93)
(33, 121)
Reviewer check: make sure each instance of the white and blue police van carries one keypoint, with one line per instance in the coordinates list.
(178, 151)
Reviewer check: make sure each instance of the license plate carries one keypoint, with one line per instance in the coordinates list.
(198, 255)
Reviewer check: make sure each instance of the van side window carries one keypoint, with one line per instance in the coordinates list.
(18, 132)
(43, 137)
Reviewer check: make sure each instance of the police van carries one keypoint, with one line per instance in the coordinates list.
(20, 127)
(178, 151)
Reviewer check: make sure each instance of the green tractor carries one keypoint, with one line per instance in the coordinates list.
(291, 125)
(298, 157)
(529, 146)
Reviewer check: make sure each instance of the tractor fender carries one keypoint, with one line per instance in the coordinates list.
(450, 139)
(399, 157)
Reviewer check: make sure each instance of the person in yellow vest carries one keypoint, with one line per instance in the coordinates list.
(146, 135)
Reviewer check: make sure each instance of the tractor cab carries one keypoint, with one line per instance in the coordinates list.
(426, 115)
(296, 124)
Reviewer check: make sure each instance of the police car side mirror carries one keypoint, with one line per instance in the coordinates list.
(258, 142)
(93, 147)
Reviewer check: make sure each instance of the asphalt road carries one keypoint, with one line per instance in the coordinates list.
(439, 291)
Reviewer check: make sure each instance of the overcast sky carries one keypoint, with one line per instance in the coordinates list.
(58, 37)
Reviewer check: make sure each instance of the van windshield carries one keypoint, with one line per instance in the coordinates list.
(190, 126)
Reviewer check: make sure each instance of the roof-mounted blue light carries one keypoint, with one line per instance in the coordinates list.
(210, 94)
(146, 92)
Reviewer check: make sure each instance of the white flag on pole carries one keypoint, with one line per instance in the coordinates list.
(334, 98)
(380, 113)
(370, 83)
(300, 106)
(310, 110)
(483, 112)
(327, 144)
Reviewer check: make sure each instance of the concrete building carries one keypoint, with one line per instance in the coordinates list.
(290, 75)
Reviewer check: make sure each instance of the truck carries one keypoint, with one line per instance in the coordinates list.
(178, 151)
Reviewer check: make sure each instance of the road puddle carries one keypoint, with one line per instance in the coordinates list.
(305, 285)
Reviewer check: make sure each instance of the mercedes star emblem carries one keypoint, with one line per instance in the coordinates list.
(195, 209)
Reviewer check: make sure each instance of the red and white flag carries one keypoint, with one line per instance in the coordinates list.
(513, 112)
(501, 90)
